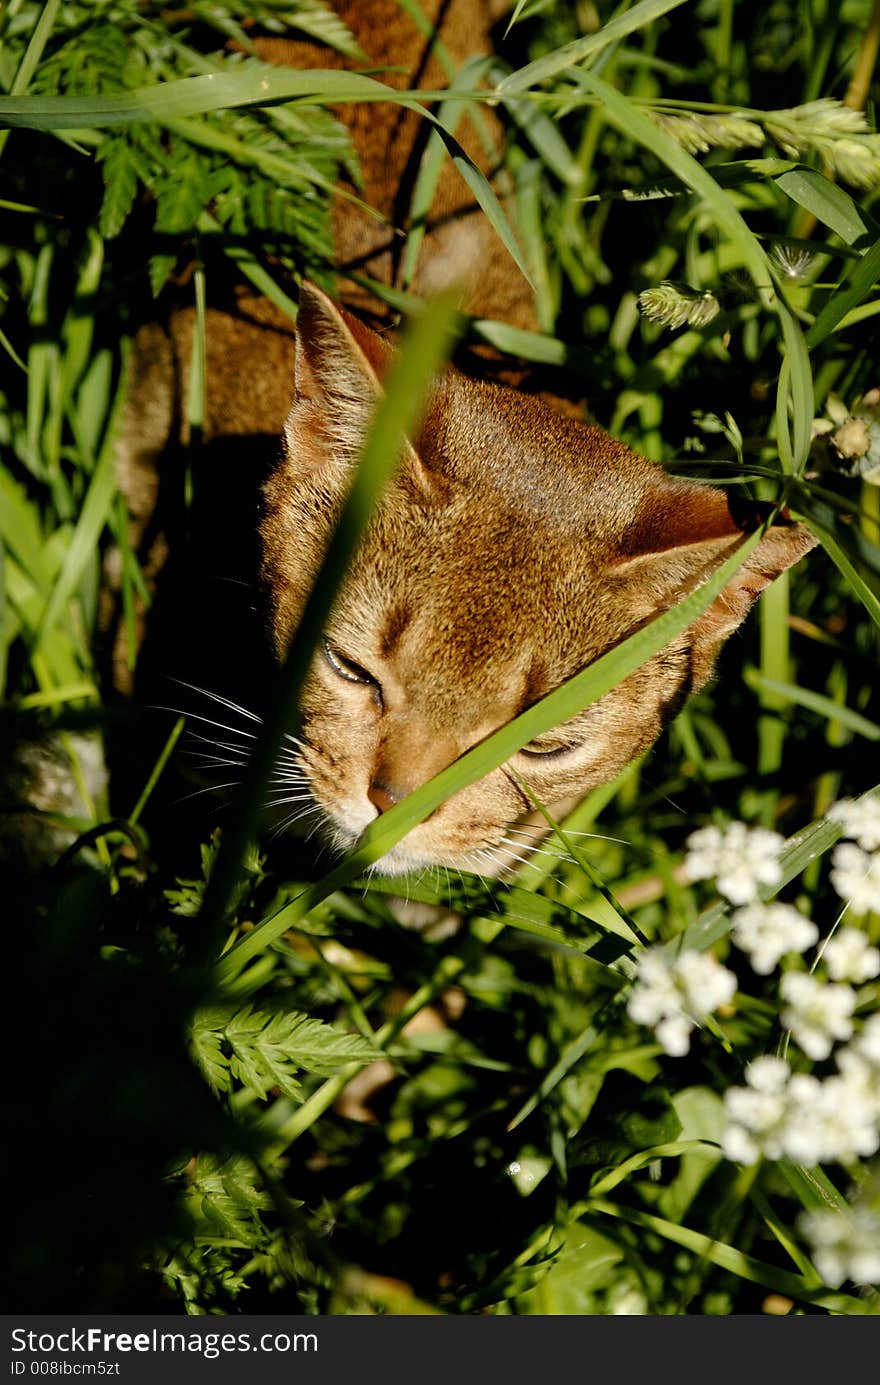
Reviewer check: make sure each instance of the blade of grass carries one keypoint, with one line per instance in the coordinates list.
(727, 1257)
(827, 202)
(783, 692)
(567, 1060)
(635, 17)
(96, 513)
(32, 55)
(156, 771)
(6, 626)
(190, 96)
(796, 378)
(448, 115)
(844, 564)
(859, 285)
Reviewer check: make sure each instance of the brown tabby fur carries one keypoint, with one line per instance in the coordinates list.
(515, 546)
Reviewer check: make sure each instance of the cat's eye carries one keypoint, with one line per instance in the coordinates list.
(548, 750)
(347, 668)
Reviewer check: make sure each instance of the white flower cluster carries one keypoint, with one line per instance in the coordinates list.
(845, 1244)
(739, 859)
(781, 1114)
(674, 994)
(855, 872)
(817, 1012)
(767, 932)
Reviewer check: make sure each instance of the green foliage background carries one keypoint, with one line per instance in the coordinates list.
(179, 1139)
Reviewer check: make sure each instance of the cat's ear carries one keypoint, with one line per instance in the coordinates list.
(339, 367)
(683, 534)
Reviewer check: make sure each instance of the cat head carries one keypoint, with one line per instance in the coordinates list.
(514, 547)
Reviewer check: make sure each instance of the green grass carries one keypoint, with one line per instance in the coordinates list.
(196, 999)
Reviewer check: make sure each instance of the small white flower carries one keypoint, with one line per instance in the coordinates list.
(817, 1012)
(845, 1244)
(868, 1042)
(850, 957)
(626, 1299)
(655, 993)
(756, 1113)
(859, 820)
(768, 931)
(673, 995)
(740, 859)
(768, 1074)
(704, 982)
(673, 1034)
(859, 1064)
(799, 1116)
(828, 1122)
(856, 877)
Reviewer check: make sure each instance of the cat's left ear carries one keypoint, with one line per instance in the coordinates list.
(687, 531)
(339, 367)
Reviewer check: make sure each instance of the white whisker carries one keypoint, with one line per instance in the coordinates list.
(211, 788)
(208, 760)
(222, 701)
(195, 716)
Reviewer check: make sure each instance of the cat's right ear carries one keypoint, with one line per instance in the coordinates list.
(339, 367)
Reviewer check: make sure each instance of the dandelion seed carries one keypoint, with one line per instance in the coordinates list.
(768, 931)
(793, 261)
(845, 1244)
(855, 876)
(859, 819)
(850, 957)
(740, 859)
(817, 1012)
(671, 997)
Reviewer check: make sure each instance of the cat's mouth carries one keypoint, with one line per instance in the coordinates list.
(400, 859)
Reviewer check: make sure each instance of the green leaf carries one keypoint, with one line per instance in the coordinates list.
(120, 186)
(207, 1045)
(844, 563)
(815, 702)
(635, 17)
(255, 86)
(94, 516)
(227, 1196)
(266, 1049)
(859, 284)
(727, 1257)
(795, 382)
(827, 202)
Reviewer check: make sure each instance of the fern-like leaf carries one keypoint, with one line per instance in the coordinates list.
(264, 1049)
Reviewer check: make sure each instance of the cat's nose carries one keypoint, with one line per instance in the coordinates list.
(382, 796)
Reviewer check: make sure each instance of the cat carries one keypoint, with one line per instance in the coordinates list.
(516, 545)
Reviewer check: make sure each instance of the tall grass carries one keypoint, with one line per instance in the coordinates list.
(201, 1001)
